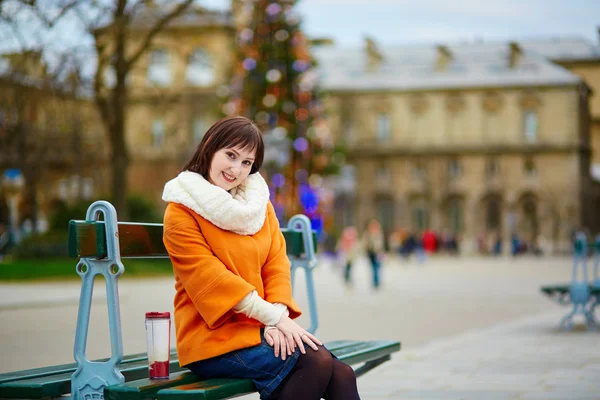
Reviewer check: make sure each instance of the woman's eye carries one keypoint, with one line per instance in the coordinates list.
(248, 163)
(231, 155)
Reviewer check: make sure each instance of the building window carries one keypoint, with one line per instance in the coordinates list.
(200, 69)
(348, 131)
(455, 215)
(87, 190)
(385, 213)
(420, 218)
(418, 171)
(529, 168)
(159, 71)
(492, 215)
(454, 169)
(158, 133)
(198, 130)
(383, 127)
(492, 168)
(530, 125)
(383, 173)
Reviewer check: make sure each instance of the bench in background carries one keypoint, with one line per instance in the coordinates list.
(581, 293)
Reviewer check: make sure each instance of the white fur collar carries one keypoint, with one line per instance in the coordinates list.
(242, 210)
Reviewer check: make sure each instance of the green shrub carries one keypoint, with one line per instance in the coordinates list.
(49, 245)
(142, 209)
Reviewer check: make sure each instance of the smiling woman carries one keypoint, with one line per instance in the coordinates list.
(234, 310)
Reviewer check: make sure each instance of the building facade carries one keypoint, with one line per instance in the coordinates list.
(481, 140)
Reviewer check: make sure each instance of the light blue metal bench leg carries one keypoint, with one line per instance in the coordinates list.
(308, 261)
(90, 378)
(596, 279)
(580, 290)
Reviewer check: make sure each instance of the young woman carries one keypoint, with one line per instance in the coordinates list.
(233, 305)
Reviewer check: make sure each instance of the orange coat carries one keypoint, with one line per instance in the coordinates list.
(214, 269)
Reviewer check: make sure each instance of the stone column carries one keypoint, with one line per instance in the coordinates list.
(468, 243)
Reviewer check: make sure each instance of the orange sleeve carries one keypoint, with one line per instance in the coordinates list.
(276, 274)
(213, 288)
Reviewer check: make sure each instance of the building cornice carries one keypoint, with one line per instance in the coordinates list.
(391, 150)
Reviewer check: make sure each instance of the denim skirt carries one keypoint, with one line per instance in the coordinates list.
(257, 363)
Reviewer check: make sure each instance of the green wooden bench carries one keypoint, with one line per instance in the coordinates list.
(100, 243)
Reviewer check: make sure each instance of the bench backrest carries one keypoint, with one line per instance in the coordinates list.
(87, 239)
(100, 243)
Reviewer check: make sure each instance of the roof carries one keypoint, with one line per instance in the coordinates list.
(563, 49)
(412, 67)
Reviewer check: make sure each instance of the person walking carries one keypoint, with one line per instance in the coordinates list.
(373, 243)
(348, 247)
(233, 307)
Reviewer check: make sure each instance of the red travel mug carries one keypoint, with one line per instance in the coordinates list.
(158, 343)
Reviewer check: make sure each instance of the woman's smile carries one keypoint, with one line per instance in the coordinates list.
(228, 178)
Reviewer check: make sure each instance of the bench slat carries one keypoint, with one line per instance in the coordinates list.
(59, 383)
(566, 288)
(58, 369)
(211, 389)
(187, 384)
(147, 388)
(142, 240)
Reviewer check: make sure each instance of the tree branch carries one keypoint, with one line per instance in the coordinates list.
(50, 22)
(156, 29)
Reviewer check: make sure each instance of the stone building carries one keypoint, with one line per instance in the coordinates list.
(476, 139)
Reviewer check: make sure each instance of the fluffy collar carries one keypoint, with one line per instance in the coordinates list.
(241, 210)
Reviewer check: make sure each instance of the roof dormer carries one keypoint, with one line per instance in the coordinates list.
(374, 55)
(444, 58)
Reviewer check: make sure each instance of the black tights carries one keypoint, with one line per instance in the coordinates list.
(318, 375)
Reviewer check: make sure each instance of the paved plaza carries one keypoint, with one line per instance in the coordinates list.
(473, 328)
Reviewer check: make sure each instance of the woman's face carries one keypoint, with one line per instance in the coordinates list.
(230, 166)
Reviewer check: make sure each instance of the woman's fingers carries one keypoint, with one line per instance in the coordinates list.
(268, 338)
(313, 338)
(291, 346)
(276, 346)
(283, 352)
(299, 342)
(309, 342)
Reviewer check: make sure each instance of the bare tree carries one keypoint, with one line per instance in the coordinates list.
(109, 24)
(36, 150)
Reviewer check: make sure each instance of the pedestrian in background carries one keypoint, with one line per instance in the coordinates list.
(373, 244)
(348, 247)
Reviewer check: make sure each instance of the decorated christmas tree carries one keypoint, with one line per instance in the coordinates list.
(275, 84)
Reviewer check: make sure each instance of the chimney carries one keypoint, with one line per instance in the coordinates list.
(374, 56)
(444, 58)
(515, 56)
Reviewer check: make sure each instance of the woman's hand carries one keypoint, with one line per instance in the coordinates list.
(279, 342)
(296, 334)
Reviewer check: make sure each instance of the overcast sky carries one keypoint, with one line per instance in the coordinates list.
(391, 22)
(426, 21)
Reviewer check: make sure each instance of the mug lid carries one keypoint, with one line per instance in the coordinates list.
(154, 315)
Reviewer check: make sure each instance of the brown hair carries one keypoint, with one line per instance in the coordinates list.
(227, 133)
